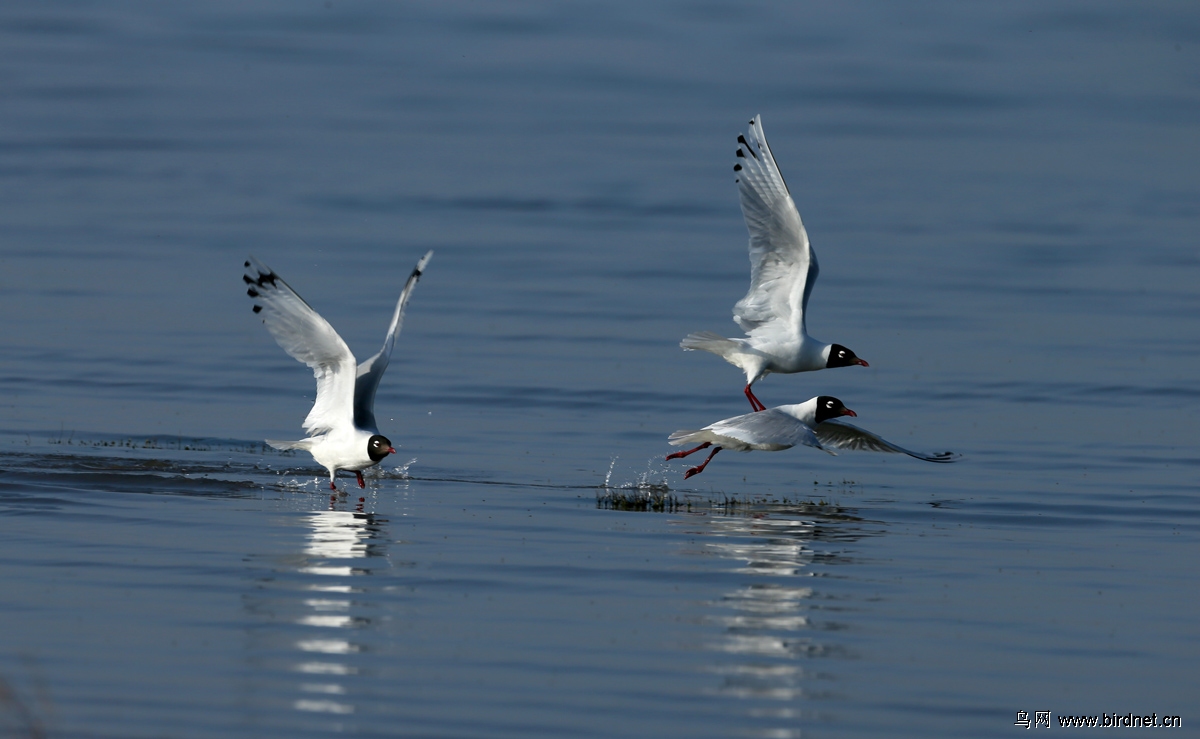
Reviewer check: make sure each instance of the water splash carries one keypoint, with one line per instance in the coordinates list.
(399, 472)
(608, 477)
(648, 492)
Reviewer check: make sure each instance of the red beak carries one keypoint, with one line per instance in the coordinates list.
(391, 450)
(863, 362)
(848, 412)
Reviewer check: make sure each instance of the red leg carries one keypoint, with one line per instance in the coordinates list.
(698, 470)
(361, 483)
(681, 455)
(755, 403)
(331, 485)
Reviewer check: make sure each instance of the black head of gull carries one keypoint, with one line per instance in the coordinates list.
(840, 356)
(829, 407)
(379, 447)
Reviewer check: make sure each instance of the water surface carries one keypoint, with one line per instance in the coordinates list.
(1003, 200)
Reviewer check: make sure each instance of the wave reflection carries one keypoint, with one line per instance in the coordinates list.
(333, 537)
(768, 629)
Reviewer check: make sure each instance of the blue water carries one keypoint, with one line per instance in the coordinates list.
(1004, 200)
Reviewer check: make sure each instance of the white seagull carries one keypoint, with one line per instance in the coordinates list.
(341, 424)
(783, 427)
(783, 270)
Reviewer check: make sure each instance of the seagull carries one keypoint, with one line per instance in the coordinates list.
(811, 423)
(341, 424)
(783, 270)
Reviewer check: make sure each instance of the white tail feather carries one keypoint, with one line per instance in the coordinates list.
(709, 342)
(680, 437)
(283, 445)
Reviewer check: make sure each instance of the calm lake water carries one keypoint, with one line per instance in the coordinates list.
(1004, 199)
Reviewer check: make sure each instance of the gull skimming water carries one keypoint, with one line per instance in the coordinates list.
(341, 424)
(810, 423)
(783, 269)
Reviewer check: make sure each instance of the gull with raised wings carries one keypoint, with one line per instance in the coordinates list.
(342, 434)
(783, 270)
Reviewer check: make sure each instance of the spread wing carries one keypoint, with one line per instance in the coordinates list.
(371, 370)
(840, 435)
(783, 268)
(309, 338)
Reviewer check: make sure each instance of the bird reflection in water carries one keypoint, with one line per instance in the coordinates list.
(767, 628)
(333, 538)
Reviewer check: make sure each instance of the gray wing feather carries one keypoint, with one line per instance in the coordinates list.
(370, 372)
(309, 338)
(771, 427)
(783, 267)
(841, 435)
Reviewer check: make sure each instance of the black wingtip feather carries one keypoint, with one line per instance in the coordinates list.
(743, 142)
(263, 279)
(258, 309)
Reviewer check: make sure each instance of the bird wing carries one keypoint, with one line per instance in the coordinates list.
(841, 435)
(783, 267)
(371, 370)
(308, 338)
(770, 427)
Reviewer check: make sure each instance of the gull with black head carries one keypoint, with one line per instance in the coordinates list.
(783, 270)
(341, 425)
(811, 423)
